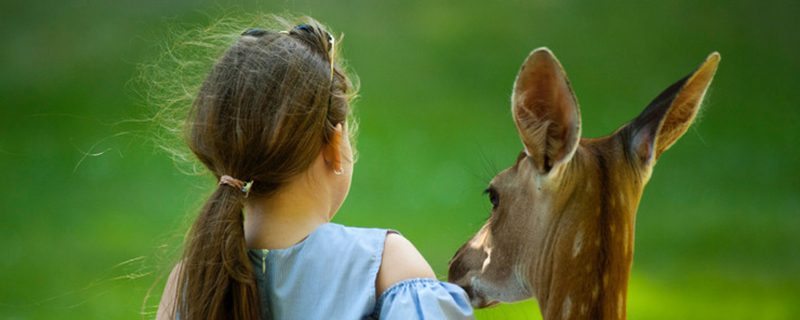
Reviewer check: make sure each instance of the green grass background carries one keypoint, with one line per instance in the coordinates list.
(90, 208)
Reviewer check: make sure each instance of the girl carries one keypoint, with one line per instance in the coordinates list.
(271, 123)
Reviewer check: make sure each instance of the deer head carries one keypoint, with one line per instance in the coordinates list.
(562, 222)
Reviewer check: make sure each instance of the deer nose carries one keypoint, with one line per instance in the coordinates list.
(478, 301)
(457, 267)
(455, 272)
(469, 290)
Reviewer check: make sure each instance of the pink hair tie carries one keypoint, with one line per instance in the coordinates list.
(236, 183)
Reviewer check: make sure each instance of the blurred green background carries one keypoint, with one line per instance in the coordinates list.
(90, 209)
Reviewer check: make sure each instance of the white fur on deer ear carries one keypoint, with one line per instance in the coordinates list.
(671, 113)
(546, 111)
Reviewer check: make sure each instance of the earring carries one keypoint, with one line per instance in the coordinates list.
(339, 172)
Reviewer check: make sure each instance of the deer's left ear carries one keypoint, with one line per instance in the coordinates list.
(671, 113)
(545, 111)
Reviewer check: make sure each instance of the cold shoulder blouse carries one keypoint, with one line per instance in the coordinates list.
(331, 275)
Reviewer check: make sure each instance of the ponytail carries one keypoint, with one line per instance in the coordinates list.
(260, 114)
(216, 279)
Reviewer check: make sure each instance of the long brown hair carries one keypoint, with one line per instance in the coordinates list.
(264, 112)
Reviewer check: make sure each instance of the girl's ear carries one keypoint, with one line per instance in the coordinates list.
(332, 151)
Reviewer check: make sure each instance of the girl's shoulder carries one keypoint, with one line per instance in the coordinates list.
(408, 289)
(400, 261)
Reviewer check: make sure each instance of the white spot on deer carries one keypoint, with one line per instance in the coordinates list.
(625, 238)
(576, 246)
(567, 309)
(541, 179)
(620, 303)
(621, 197)
(488, 260)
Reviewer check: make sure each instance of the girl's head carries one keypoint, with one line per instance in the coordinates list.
(269, 105)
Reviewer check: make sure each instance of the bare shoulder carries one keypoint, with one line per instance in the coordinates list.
(401, 261)
(167, 306)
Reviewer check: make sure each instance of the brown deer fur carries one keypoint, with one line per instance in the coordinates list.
(562, 226)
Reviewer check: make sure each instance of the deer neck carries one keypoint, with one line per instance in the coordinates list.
(583, 267)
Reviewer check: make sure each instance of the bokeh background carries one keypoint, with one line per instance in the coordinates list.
(91, 211)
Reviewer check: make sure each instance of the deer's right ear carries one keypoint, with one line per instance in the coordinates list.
(545, 111)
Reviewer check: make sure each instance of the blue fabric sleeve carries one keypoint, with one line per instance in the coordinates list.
(423, 299)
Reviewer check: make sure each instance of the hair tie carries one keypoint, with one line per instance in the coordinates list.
(236, 183)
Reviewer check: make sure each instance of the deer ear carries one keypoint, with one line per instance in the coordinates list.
(545, 111)
(671, 113)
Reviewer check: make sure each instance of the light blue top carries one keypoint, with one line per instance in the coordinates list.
(331, 275)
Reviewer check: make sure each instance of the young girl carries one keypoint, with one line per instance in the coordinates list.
(271, 123)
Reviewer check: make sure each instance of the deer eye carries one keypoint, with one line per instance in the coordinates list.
(494, 198)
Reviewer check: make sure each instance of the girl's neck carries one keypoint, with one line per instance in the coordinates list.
(288, 217)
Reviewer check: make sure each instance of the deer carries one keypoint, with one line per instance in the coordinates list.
(561, 227)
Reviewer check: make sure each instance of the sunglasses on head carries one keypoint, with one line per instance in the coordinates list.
(308, 30)
(300, 28)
